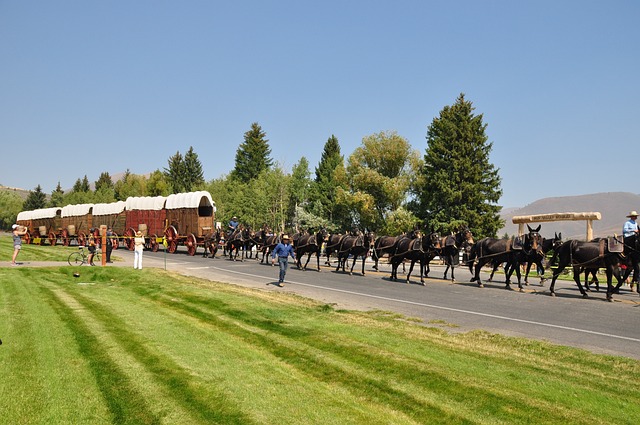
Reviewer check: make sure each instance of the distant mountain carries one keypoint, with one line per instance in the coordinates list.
(612, 206)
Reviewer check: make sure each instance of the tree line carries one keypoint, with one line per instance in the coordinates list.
(384, 185)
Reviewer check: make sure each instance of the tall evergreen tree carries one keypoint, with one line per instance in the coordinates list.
(299, 186)
(104, 181)
(323, 196)
(57, 197)
(458, 184)
(193, 175)
(36, 199)
(175, 173)
(253, 155)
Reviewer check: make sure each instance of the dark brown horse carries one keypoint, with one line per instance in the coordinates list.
(212, 243)
(421, 249)
(237, 241)
(588, 255)
(333, 244)
(451, 245)
(310, 244)
(503, 251)
(356, 245)
(384, 245)
(269, 244)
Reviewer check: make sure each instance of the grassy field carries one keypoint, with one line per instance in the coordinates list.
(125, 346)
(118, 345)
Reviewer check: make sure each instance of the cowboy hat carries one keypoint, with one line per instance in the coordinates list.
(632, 214)
(285, 237)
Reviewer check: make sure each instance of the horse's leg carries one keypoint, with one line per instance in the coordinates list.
(318, 257)
(576, 279)
(410, 270)
(364, 260)
(308, 258)
(476, 277)
(355, 257)
(526, 274)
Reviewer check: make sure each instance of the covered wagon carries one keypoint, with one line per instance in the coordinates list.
(110, 215)
(42, 225)
(76, 222)
(190, 218)
(146, 214)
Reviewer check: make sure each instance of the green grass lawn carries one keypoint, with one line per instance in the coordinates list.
(124, 346)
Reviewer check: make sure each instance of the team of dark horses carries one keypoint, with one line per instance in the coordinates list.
(617, 256)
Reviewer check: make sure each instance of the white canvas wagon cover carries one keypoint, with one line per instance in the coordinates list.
(190, 200)
(154, 203)
(45, 213)
(76, 210)
(24, 215)
(111, 208)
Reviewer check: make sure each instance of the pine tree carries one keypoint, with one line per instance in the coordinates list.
(175, 173)
(57, 197)
(35, 200)
(457, 184)
(299, 186)
(193, 175)
(253, 155)
(324, 190)
(104, 181)
(85, 186)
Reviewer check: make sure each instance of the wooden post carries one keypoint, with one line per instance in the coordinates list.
(566, 216)
(103, 231)
(589, 230)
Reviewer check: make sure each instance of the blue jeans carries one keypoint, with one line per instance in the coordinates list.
(283, 262)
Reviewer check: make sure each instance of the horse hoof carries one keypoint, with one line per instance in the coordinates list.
(480, 285)
(520, 289)
(552, 294)
(585, 295)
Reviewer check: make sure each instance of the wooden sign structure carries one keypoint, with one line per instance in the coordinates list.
(520, 220)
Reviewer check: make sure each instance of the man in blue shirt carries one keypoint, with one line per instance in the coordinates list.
(282, 251)
(630, 226)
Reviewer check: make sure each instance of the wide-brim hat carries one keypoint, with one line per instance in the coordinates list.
(632, 214)
(285, 237)
(138, 233)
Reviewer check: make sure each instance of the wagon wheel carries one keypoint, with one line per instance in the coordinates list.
(192, 244)
(27, 238)
(81, 238)
(65, 237)
(172, 239)
(115, 244)
(41, 239)
(52, 239)
(153, 243)
(129, 234)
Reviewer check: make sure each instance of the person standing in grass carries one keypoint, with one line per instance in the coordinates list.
(282, 251)
(109, 244)
(91, 241)
(137, 252)
(18, 232)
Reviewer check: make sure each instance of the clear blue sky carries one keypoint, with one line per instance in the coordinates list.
(92, 86)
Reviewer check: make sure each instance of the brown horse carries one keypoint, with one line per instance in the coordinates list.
(333, 244)
(503, 250)
(356, 245)
(310, 244)
(450, 247)
(212, 243)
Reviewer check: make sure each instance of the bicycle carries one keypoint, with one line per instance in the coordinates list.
(81, 257)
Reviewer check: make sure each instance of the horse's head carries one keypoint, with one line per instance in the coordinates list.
(431, 241)
(557, 240)
(322, 235)
(464, 238)
(533, 240)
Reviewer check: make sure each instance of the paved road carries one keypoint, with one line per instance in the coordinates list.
(593, 324)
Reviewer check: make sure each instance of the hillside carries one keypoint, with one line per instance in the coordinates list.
(613, 206)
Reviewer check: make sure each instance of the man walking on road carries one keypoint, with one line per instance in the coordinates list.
(283, 250)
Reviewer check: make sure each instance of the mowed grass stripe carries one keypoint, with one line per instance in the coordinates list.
(282, 341)
(510, 385)
(279, 390)
(126, 405)
(42, 369)
(192, 394)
